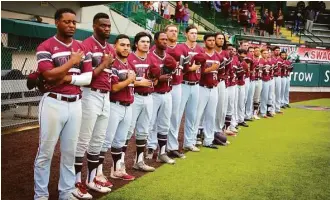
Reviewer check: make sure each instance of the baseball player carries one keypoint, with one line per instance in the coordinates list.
(96, 109)
(283, 77)
(208, 97)
(143, 102)
(222, 105)
(173, 49)
(277, 79)
(121, 98)
(271, 97)
(190, 88)
(65, 66)
(162, 100)
(242, 71)
(265, 92)
(246, 46)
(258, 83)
(231, 115)
(288, 63)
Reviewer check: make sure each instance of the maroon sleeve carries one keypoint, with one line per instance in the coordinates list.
(44, 58)
(87, 62)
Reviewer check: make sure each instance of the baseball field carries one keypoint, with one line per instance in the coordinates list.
(286, 157)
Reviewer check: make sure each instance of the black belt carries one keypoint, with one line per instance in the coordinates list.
(99, 90)
(190, 83)
(67, 99)
(143, 94)
(209, 87)
(162, 92)
(120, 103)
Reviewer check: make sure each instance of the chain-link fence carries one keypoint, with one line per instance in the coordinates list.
(19, 106)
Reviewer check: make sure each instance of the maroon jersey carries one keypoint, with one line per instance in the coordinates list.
(141, 66)
(227, 70)
(289, 68)
(241, 73)
(278, 65)
(210, 79)
(257, 69)
(54, 53)
(272, 62)
(193, 76)
(232, 72)
(96, 49)
(165, 86)
(175, 52)
(119, 73)
(265, 67)
(224, 56)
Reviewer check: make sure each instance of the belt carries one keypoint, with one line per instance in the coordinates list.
(67, 99)
(99, 90)
(190, 83)
(143, 94)
(209, 87)
(120, 103)
(162, 92)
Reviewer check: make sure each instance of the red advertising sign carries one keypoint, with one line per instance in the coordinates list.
(311, 54)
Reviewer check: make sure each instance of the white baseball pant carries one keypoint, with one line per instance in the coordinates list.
(249, 101)
(240, 103)
(257, 91)
(232, 105)
(247, 86)
(161, 117)
(95, 118)
(189, 104)
(208, 99)
(264, 100)
(283, 88)
(141, 116)
(287, 90)
(173, 134)
(118, 126)
(221, 107)
(57, 119)
(278, 88)
(271, 96)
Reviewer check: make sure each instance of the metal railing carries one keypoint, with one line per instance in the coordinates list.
(302, 32)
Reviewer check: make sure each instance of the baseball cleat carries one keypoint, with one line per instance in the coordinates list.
(150, 154)
(264, 116)
(71, 197)
(104, 181)
(81, 191)
(256, 117)
(233, 129)
(288, 106)
(211, 146)
(279, 112)
(192, 148)
(176, 154)
(243, 124)
(199, 142)
(98, 186)
(165, 159)
(121, 174)
(284, 107)
(248, 120)
(143, 167)
(230, 133)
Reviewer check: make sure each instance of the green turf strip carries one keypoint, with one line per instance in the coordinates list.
(286, 157)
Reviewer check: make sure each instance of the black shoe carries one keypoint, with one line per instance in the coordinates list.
(288, 106)
(284, 107)
(243, 124)
(237, 127)
(176, 154)
(270, 115)
(211, 146)
(248, 120)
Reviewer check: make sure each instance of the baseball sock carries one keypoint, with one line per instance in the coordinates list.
(255, 108)
(116, 155)
(140, 146)
(162, 140)
(268, 108)
(100, 165)
(92, 163)
(124, 148)
(78, 167)
(227, 121)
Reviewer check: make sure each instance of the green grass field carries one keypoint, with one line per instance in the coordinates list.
(286, 157)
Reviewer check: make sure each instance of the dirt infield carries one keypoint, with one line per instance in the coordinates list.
(19, 150)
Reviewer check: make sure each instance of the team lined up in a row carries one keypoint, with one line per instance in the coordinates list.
(149, 91)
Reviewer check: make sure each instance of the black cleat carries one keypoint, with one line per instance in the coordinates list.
(211, 146)
(243, 124)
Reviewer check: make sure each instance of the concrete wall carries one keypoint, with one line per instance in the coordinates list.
(119, 24)
(16, 15)
(35, 7)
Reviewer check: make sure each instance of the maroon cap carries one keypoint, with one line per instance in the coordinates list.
(153, 71)
(199, 59)
(170, 63)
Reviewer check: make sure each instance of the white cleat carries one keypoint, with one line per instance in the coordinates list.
(98, 186)
(233, 129)
(192, 148)
(165, 159)
(256, 117)
(143, 167)
(80, 192)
